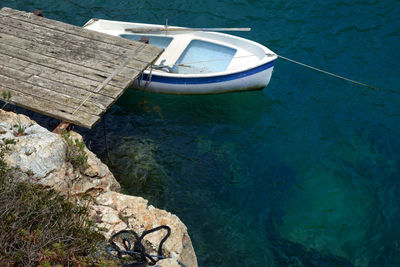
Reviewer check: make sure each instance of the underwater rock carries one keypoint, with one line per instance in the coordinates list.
(286, 253)
(329, 213)
(40, 156)
(142, 174)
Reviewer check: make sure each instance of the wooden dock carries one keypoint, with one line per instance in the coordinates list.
(65, 71)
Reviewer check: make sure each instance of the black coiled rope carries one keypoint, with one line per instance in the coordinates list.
(126, 245)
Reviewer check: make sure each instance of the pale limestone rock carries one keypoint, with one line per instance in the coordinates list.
(169, 263)
(41, 154)
(36, 149)
(138, 216)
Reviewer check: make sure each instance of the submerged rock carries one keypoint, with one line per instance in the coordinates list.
(329, 212)
(141, 173)
(40, 156)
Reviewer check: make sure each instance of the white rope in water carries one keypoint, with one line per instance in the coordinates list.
(186, 64)
(329, 73)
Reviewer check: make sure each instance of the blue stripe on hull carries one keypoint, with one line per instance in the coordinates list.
(216, 79)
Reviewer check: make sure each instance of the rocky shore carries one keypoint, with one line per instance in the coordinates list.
(40, 156)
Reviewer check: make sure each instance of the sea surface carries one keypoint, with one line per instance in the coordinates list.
(303, 173)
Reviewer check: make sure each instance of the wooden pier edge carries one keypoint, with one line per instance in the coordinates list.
(65, 71)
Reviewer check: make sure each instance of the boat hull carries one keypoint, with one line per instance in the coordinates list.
(196, 62)
(249, 80)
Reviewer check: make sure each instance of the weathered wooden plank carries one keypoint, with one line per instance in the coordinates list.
(60, 26)
(116, 92)
(65, 71)
(21, 28)
(63, 94)
(65, 54)
(33, 57)
(66, 47)
(83, 52)
(72, 29)
(64, 78)
(47, 94)
(26, 30)
(51, 109)
(118, 70)
(81, 60)
(91, 36)
(39, 75)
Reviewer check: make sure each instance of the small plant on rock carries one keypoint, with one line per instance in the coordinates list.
(9, 141)
(76, 153)
(20, 128)
(6, 98)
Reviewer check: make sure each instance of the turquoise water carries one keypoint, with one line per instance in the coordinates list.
(303, 173)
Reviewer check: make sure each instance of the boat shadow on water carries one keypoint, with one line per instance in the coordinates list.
(233, 108)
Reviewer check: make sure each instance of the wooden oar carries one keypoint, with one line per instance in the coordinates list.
(167, 29)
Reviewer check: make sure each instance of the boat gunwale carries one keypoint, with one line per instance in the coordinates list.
(180, 79)
(264, 60)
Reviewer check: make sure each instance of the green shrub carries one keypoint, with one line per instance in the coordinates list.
(75, 151)
(40, 228)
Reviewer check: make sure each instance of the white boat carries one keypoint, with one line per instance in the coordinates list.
(195, 62)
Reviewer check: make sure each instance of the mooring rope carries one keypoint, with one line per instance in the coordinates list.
(329, 73)
(187, 64)
(148, 81)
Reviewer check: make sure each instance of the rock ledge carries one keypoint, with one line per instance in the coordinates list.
(41, 157)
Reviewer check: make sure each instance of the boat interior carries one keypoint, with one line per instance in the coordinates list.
(192, 53)
(191, 56)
